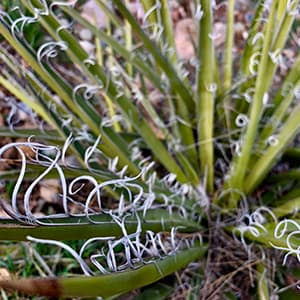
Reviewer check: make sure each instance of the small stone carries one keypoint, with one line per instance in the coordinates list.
(85, 34)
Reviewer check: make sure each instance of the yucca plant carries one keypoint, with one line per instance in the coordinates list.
(205, 178)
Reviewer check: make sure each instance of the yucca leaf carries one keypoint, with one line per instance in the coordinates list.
(290, 207)
(77, 228)
(250, 58)
(168, 34)
(229, 45)
(262, 282)
(239, 169)
(273, 152)
(251, 43)
(106, 285)
(205, 95)
(228, 62)
(282, 6)
(266, 237)
(50, 135)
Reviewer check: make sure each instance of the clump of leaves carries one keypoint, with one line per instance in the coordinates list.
(202, 176)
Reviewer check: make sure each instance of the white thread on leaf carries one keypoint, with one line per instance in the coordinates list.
(198, 13)
(280, 231)
(254, 62)
(241, 120)
(272, 141)
(276, 56)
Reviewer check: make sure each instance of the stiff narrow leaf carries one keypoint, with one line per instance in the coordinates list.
(205, 94)
(106, 285)
(74, 228)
